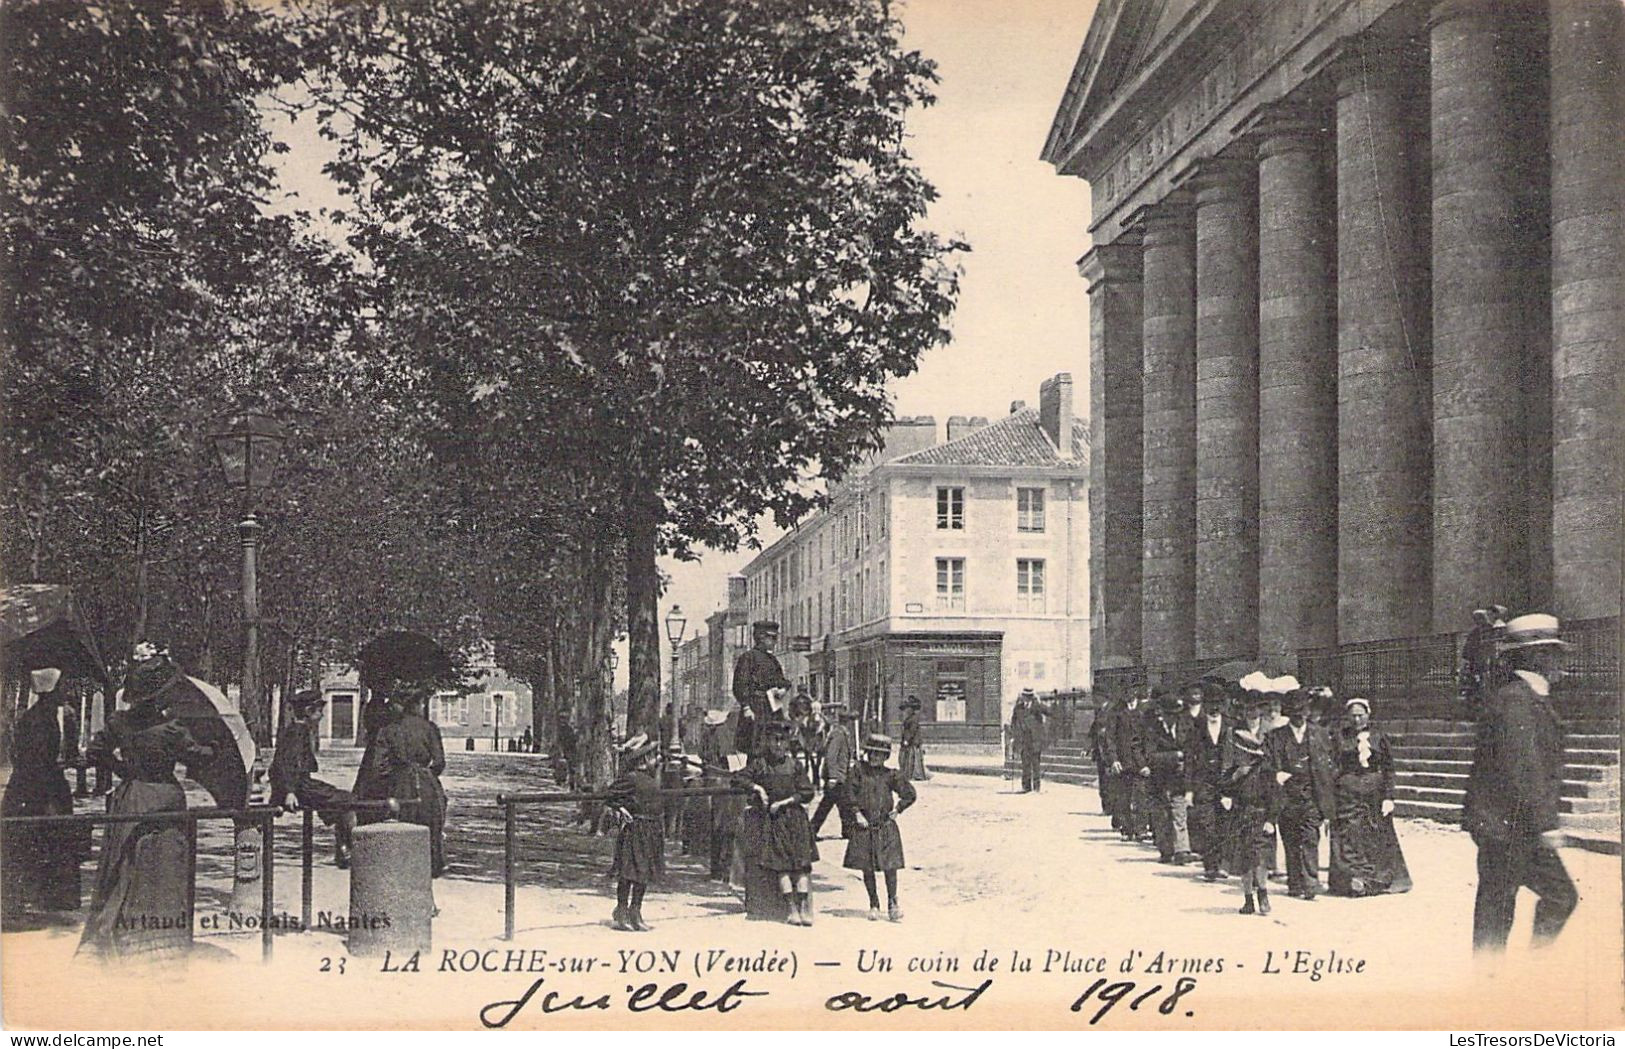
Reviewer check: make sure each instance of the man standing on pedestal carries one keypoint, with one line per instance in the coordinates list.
(1512, 793)
(756, 671)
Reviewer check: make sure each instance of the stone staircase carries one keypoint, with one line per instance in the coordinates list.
(1432, 760)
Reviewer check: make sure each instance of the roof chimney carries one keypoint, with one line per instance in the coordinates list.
(907, 435)
(1055, 412)
(1016, 406)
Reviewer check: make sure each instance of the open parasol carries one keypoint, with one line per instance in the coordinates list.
(1233, 671)
(214, 720)
(405, 655)
(41, 626)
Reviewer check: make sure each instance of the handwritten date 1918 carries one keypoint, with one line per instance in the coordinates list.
(1108, 994)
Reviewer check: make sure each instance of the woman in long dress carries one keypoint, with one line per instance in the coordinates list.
(911, 752)
(140, 907)
(41, 868)
(1248, 785)
(407, 759)
(1366, 857)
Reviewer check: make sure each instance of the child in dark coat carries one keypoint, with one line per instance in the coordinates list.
(640, 849)
(1248, 790)
(782, 792)
(876, 795)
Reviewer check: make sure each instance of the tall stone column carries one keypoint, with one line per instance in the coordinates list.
(1116, 464)
(1588, 304)
(1486, 254)
(1168, 566)
(1384, 465)
(1226, 408)
(1297, 375)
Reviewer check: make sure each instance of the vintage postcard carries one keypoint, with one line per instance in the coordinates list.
(849, 515)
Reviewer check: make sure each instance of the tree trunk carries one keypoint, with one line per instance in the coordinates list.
(642, 516)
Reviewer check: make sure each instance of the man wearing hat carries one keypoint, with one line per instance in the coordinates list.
(837, 767)
(1027, 731)
(1130, 768)
(1512, 791)
(293, 765)
(1204, 773)
(756, 672)
(1305, 797)
(1167, 733)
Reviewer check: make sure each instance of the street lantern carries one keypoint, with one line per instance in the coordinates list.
(676, 623)
(248, 445)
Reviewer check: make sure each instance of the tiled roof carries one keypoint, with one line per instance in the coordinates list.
(1015, 440)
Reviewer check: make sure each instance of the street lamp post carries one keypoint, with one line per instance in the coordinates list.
(676, 623)
(248, 445)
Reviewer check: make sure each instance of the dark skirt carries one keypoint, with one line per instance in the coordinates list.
(1249, 847)
(1366, 857)
(139, 904)
(39, 863)
(640, 851)
(874, 848)
(787, 842)
(423, 801)
(912, 759)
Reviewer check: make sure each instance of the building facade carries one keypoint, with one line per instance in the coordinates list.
(1356, 310)
(496, 708)
(956, 572)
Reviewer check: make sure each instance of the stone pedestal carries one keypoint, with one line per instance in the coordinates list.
(1116, 405)
(391, 891)
(1297, 395)
(1384, 471)
(1226, 408)
(1168, 344)
(1588, 304)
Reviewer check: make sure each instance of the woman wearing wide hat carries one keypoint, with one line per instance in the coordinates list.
(1248, 792)
(877, 795)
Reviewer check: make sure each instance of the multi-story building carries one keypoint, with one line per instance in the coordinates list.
(956, 572)
(495, 709)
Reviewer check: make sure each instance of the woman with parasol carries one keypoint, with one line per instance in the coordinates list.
(139, 906)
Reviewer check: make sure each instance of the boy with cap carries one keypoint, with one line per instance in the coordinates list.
(879, 794)
(291, 773)
(1512, 791)
(836, 764)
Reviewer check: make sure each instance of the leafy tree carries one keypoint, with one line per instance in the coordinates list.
(685, 239)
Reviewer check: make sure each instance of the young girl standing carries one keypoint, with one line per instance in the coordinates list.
(640, 850)
(877, 794)
(1248, 791)
(782, 792)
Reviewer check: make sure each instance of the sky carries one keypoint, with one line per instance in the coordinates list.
(1023, 309)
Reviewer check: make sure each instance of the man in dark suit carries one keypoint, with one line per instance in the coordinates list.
(756, 672)
(1305, 795)
(1167, 731)
(1130, 768)
(1028, 732)
(1204, 772)
(1101, 732)
(1512, 792)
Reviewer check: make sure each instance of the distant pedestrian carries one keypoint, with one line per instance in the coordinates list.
(911, 755)
(1167, 734)
(837, 767)
(640, 846)
(1478, 650)
(1129, 767)
(1029, 733)
(1100, 731)
(879, 794)
(1513, 789)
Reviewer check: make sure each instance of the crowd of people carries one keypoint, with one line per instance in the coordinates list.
(767, 759)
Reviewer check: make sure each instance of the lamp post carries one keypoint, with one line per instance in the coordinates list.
(611, 661)
(248, 445)
(676, 623)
